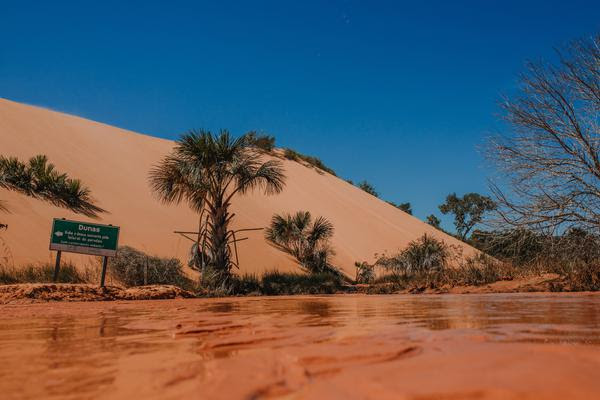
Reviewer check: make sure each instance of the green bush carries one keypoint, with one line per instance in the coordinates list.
(291, 154)
(367, 187)
(279, 283)
(263, 142)
(245, 285)
(129, 266)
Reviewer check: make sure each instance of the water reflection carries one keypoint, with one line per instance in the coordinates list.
(80, 350)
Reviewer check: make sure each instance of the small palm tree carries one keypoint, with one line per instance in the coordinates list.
(303, 238)
(207, 171)
(425, 255)
(39, 179)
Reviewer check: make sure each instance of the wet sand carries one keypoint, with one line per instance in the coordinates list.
(496, 346)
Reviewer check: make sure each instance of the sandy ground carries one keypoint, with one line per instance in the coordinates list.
(509, 346)
(114, 163)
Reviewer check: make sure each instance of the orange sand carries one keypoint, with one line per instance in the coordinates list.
(114, 163)
(483, 347)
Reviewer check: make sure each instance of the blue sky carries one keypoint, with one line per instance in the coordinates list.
(399, 93)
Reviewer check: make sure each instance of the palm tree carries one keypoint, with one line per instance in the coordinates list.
(39, 179)
(207, 171)
(303, 238)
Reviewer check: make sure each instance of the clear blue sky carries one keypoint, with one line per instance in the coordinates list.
(398, 93)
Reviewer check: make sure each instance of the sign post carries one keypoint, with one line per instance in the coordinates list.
(57, 266)
(84, 238)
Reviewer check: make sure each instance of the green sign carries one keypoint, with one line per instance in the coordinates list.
(83, 237)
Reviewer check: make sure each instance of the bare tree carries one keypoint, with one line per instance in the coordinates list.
(551, 158)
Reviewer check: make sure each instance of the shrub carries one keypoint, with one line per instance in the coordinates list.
(291, 154)
(367, 187)
(478, 270)
(263, 142)
(245, 285)
(303, 238)
(313, 161)
(406, 207)
(129, 267)
(40, 274)
(279, 283)
(365, 273)
(424, 255)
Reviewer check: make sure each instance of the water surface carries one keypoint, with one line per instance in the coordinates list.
(415, 347)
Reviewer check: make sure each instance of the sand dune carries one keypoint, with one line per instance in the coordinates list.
(114, 163)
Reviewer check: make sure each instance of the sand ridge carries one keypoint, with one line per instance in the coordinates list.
(115, 162)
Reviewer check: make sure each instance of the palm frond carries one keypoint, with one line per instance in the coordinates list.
(39, 179)
(304, 239)
(321, 229)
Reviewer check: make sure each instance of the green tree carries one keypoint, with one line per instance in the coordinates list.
(39, 179)
(468, 211)
(367, 187)
(434, 221)
(303, 238)
(207, 171)
(406, 207)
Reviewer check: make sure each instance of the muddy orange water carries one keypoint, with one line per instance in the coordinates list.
(499, 346)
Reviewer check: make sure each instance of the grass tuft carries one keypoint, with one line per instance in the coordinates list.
(41, 274)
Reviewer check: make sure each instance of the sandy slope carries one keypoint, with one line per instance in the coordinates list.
(115, 163)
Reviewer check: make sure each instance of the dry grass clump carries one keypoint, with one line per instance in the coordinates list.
(132, 267)
(574, 255)
(42, 273)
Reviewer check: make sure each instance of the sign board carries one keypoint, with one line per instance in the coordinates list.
(84, 238)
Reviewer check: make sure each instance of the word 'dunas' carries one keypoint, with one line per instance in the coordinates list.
(89, 228)
(90, 234)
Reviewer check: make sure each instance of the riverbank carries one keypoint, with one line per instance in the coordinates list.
(44, 292)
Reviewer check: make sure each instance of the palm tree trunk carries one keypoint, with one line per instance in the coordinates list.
(218, 238)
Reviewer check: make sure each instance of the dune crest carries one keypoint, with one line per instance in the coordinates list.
(115, 162)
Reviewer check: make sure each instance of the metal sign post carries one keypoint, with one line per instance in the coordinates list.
(84, 238)
(57, 266)
(104, 263)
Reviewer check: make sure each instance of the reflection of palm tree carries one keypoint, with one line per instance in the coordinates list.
(303, 238)
(207, 171)
(39, 179)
